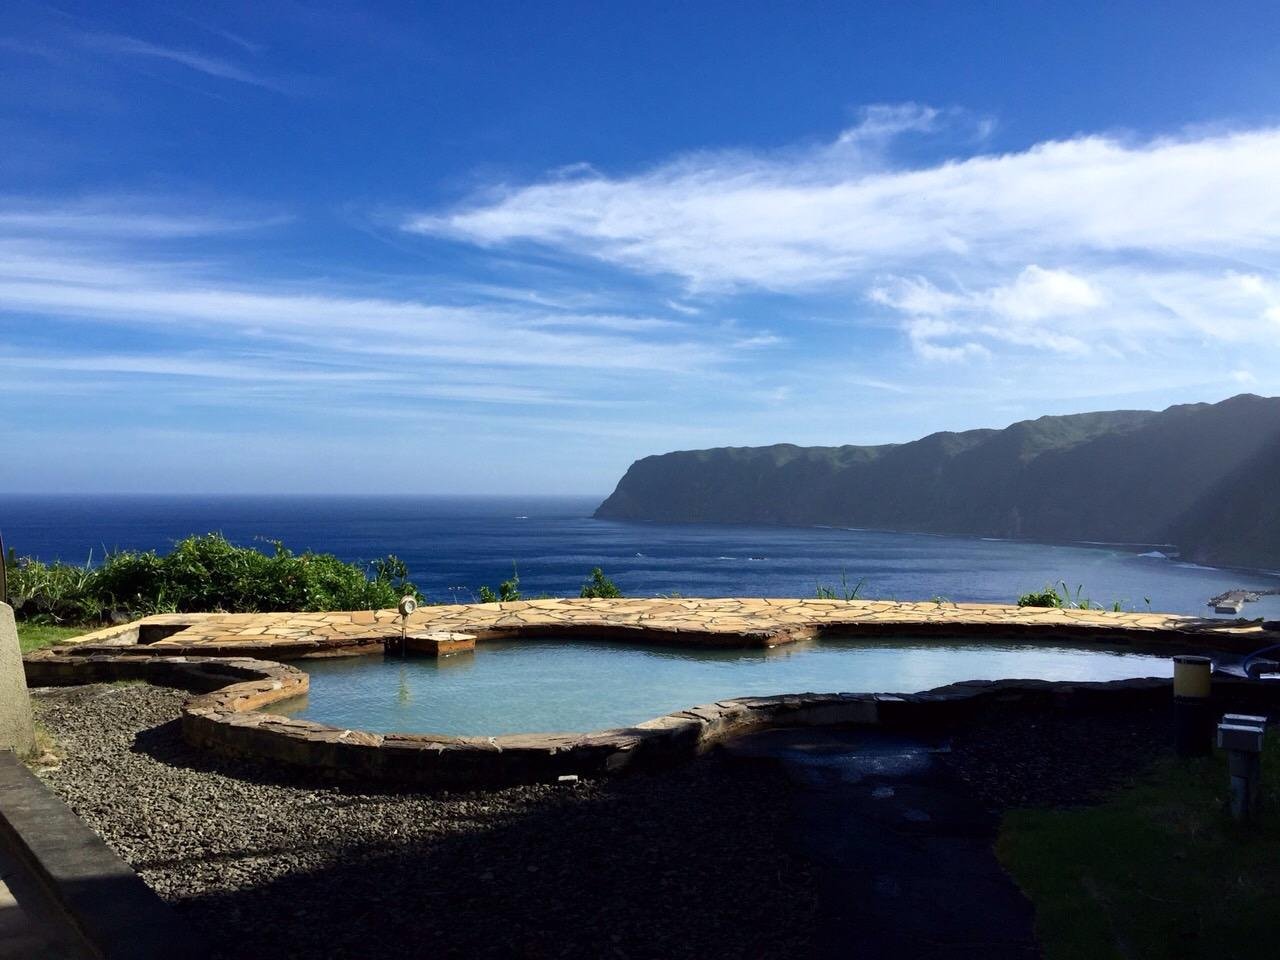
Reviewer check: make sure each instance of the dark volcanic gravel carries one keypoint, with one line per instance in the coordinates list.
(1049, 758)
(696, 861)
(690, 862)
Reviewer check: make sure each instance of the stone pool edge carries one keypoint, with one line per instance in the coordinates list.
(233, 664)
(705, 622)
(224, 715)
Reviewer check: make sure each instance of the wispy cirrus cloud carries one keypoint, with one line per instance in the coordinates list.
(206, 332)
(880, 123)
(211, 66)
(117, 218)
(149, 296)
(184, 366)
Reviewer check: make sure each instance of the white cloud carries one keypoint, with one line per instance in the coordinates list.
(683, 308)
(1094, 244)
(1032, 310)
(925, 335)
(1116, 310)
(1039, 294)
(819, 217)
(883, 121)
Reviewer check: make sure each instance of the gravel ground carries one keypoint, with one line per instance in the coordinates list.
(1047, 759)
(695, 861)
(689, 862)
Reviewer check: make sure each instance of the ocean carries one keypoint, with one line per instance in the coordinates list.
(453, 545)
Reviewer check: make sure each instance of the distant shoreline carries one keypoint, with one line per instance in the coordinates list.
(1082, 544)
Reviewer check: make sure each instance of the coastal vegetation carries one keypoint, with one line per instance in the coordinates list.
(201, 573)
(508, 590)
(209, 573)
(596, 585)
(1198, 478)
(600, 587)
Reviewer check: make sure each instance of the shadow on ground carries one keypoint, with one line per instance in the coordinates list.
(810, 843)
(691, 862)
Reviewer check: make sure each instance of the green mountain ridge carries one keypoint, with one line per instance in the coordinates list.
(1204, 477)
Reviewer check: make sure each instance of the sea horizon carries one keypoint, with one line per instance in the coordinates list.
(456, 543)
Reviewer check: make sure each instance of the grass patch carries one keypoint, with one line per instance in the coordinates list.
(48, 751)
(1159, 870)
(36, 636)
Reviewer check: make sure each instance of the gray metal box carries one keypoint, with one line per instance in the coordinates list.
(1246, 738)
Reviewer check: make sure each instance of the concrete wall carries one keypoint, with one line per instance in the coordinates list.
(16, 730)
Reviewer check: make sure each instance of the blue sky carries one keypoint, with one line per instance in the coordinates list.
(495, 247)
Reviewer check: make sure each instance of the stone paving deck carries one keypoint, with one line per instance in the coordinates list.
(704, 622)
(31, 925)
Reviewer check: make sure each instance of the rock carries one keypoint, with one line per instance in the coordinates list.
(17, 732)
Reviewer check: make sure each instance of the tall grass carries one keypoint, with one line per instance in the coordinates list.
(845, 592)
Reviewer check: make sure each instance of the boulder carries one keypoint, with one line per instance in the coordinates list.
(17, 732)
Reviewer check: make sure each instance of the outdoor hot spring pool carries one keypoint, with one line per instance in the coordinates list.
(563, 686)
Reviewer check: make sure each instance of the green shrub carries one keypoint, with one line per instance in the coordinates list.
(508, 590)
(52, 592)
(1052, 596)
(204, 573)
(1048, 597)
(600, 586)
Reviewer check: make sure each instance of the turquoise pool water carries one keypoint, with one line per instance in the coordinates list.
(550, 686)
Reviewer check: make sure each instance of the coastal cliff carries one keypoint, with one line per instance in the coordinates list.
(1202, 477)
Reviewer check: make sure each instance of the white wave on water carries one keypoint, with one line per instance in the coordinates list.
(1155, 555)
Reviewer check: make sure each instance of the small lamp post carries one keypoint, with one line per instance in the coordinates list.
(406, 608)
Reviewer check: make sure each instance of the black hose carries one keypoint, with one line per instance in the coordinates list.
(1244, 664)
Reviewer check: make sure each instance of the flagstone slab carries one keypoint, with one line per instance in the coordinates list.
(747, 622)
